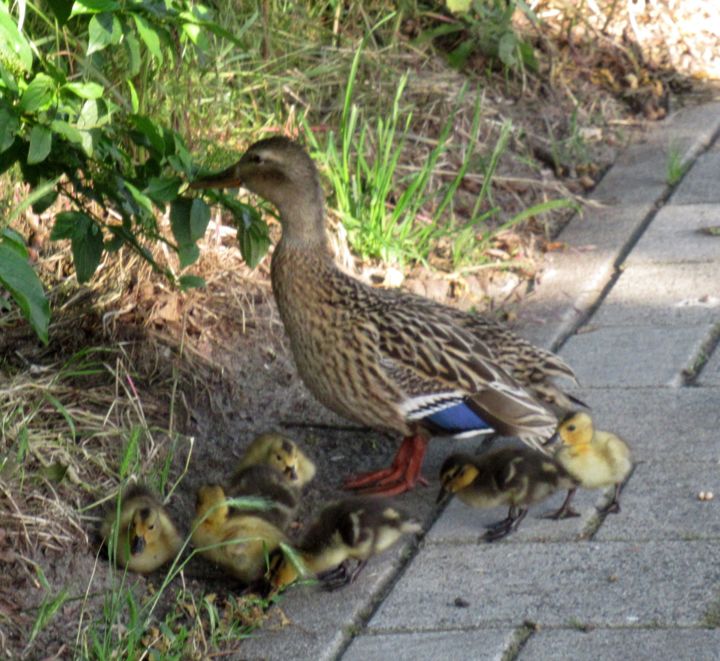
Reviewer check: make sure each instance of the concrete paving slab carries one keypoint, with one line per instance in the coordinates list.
(641, 644)
(478, 644)
(634, 356)
(663, 295)
(673, 424)
(661, 502)
(609, 584)
(700, 185)
(675, 235)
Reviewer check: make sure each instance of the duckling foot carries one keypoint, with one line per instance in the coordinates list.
(403, 474)
(562, 513)
(506, 526)
(612, 508)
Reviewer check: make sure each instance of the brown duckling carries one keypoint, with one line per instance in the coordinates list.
(596, 459)
(283, 454)
(146, 536)
(239, 543)
(517, 477)
(351, 529)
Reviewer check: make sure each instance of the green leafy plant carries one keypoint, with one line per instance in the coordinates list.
(72, 90)
(485, 26)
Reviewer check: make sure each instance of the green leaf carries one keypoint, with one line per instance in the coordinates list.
(38, 94)
(65, 224)
(163, 189)
(199, 219)
(15, 52)
(191, 282)
(507, 49)
(132, 47)
(93, 6)
(134, 100)
(104, 30)
(82, 139)
(61, 9)
(142, 200)
(180, 221)
(40, 144)
(87, 248)
(19, 278)
(85, 90)
(14, 240)
(9, 126)
(150, 37)
(150, 131)
(188, 255)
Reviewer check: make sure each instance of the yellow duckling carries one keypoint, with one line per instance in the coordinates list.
(594, 458)
(146, 537)
(272, 485)
(238, 543)
(351, 529)
(278, 451)
(517, 477)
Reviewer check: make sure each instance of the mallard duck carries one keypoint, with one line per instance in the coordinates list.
(351, 529)
(596, 459)
(517, 477)
(239, 543)
(382, 357)
(283, 454)
(146, 536)
(270, 484)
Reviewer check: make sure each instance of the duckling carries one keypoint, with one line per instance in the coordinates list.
(351, 529)
(278, 451)
(517, 477)
(270, 484)
(594, 458)
(147, 537)
(239, 543)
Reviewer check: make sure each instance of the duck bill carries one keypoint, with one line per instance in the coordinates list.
(137, 545)
(229, 178)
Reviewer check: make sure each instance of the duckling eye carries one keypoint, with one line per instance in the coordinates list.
(571, 428)
(254, 158)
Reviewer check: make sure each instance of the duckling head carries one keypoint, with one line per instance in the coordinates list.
(144, 528)
(280, 171)
(456, 474)
(283, 455)
(210, 505)
(576, 429)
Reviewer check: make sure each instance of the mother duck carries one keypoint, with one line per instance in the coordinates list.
(382, 357)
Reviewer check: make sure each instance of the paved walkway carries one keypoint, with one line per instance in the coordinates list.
(633, 305)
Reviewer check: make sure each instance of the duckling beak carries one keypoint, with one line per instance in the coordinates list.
(228, 178)
(291, 473)
(137, 545)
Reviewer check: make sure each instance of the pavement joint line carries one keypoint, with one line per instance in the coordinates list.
(690, 374)
(500, 624)
(521, 636)
(567, 330)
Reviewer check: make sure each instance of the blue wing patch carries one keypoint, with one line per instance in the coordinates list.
(456, 419)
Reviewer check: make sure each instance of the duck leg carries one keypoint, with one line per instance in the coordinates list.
(403, 474)
(506, 526)
(564, 511)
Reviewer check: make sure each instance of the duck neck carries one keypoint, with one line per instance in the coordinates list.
(303, 222)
